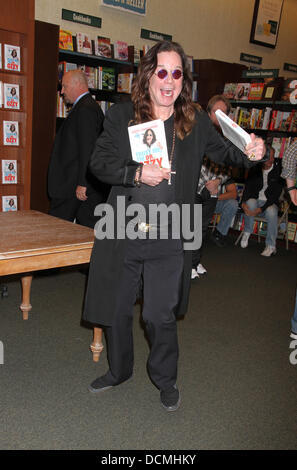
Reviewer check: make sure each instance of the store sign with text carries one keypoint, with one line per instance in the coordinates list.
(81, 18)
(137, 7)
(154, 35)
(265, 73)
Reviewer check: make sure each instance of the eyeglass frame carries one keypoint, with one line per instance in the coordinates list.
(167, 73)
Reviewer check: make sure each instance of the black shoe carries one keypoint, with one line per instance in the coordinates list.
(99, 385)
(218, 238)
(170, 398)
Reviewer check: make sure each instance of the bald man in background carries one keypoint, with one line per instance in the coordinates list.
(73, 191)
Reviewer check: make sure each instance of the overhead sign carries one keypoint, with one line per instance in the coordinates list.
(78, 17)
(290, 67)
(131, 6)
(254, 59)
(265, 73)
(154, 36)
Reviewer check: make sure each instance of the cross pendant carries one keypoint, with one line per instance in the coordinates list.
(171, 173)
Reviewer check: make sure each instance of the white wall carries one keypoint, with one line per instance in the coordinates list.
(207, 29)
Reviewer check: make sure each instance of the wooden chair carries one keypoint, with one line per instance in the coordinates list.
(96, 346)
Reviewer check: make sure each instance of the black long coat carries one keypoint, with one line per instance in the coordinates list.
(72, 148)
(112, 163)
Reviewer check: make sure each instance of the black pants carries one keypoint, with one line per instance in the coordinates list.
(72, 208)
(161, 264)
(208, 208)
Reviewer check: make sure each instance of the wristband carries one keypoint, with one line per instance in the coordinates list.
(291, 188)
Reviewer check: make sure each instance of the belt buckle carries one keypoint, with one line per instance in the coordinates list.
(143, 227)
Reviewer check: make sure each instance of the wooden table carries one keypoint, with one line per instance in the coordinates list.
(32, 241)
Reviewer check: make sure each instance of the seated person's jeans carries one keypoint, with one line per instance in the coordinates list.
(270, 214)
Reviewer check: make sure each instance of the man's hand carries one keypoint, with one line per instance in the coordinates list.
(256, 149)
(152, 175)
(293, 196)
(212, 186)
(81, 193)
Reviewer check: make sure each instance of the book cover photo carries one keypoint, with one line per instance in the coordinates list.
(10, 133)
(9, 203)
(148, 143)
(242, 91)
(11, 93)
(9, 172)
(65, 40)
(103, 47)
(121, 50)
(12, 58)
(84, 43)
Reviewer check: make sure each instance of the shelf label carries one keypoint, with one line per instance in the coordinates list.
(290, 67)
(77, 17)
(254, 59)
(137, 7)
(265, 73)
(154, 36)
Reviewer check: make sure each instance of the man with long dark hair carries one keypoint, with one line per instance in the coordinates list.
(162, 90)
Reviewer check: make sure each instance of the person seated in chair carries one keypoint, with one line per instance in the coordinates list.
(217, 193)
(261, 197)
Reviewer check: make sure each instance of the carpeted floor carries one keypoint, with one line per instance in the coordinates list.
(237, 384)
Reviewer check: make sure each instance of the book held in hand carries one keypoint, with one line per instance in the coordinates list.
(10, 133)
(9, 203)
(148, 143)
(11, 93)
(9, 172)
(233, 131)
(12, 58)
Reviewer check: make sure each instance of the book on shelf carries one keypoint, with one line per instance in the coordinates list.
(104, 105)
(136, 56)
(103, 47)
(120, 50)
(256, 91)
(12, 58)
(292, 226)
(1, 94)
(64, 67)
(289, 92)
(190, 60)
(272, 89)
(9, 172)
(0, 55)
(148, 143)
(90, 73)
(145, 49)
(9, 203)
(65, 40)
(11, 96)
(125, 82)
(83, 43)
(229, 90)
(280, 145)
(242, 91)
(10, 133)
(107, 78)
(233, 131)
(62, 110)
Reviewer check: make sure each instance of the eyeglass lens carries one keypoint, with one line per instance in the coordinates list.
(176, 74)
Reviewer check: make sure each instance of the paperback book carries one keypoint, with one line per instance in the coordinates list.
(125, 82)
(229, 90)
(10, 133)
(9, 172)
(103, 47)
(11, 93)
(84, 43)
(0, 56)
(242, 91)
(148, 143)
(12, 58)
(9, 203)
(233, 131)
(106, 78)
(121, 50)
(65, 40)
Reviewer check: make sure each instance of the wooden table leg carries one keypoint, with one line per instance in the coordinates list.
(97, 346)
(26, 290)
